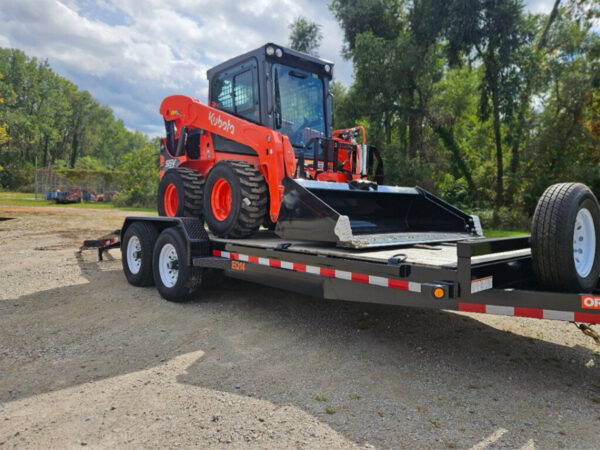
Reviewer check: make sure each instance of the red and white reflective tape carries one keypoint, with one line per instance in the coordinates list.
(534, 313)
(108, 242)
(323, 271)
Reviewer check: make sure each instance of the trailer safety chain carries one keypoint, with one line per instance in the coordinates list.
(588, 331)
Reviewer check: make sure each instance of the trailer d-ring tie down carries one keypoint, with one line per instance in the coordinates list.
(588, 331)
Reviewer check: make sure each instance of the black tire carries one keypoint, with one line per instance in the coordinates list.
(249, 197)
(188, 185)
(137, 262)
(188, 280)
(554, 239)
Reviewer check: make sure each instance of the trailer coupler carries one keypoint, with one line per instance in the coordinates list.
(588, 331)
(112, 240)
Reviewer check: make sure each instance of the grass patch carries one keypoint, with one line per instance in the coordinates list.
(320, 398)
(329, 410)
(28, 199)
(503, 233)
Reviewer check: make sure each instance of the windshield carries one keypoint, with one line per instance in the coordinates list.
(299, 105)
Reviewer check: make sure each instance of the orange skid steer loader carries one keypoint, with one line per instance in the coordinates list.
(263, 152)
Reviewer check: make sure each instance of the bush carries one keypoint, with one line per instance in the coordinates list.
(139, 186)
(504, 218)
(16, 176)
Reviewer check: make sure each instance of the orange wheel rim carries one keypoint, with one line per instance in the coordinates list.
(170, 200)
(220, 199)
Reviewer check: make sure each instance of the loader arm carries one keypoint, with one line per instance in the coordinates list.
(274, 158)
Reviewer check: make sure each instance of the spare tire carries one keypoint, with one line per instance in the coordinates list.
(565, 239)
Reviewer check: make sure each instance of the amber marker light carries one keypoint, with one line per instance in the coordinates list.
(438, 292)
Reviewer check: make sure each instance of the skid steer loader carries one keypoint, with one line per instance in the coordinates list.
(264, 152)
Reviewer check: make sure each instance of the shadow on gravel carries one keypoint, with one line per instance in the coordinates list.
(390, 376)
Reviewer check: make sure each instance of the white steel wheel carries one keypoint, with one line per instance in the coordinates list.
(584, 242)
(168, 265)
(134, 255)
(177, 280)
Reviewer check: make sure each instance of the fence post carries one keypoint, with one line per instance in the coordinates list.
(35, 181)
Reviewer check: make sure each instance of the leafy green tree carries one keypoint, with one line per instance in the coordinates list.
(494, 32)
(305, 36)
(139, 186)
(3, 134)
(46, 120)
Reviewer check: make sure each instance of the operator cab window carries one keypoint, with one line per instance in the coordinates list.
(236, 91)
(299, 105)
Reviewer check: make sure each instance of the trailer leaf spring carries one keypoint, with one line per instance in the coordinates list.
(588, 331)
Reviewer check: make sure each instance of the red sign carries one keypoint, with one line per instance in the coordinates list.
(590, 302)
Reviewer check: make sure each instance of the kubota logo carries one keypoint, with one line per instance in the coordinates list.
(589, 302)
(224, 125)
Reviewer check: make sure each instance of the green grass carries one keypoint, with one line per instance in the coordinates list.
(28, 199)
(503, 233)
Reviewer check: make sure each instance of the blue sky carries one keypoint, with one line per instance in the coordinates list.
(130, 54)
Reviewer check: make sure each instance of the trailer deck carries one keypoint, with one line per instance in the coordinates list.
(492, 276)
(441, 255)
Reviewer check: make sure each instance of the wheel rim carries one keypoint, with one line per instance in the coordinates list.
(220, 199)
(584, 242)
(168, 265)
(134, 255)
(170, 200)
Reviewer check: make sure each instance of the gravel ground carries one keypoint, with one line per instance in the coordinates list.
(87, 360)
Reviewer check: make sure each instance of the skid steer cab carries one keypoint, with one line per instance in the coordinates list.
(263, 152)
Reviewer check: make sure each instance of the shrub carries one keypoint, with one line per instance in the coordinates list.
(139, 186)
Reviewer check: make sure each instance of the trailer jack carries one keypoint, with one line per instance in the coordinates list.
(588, 331)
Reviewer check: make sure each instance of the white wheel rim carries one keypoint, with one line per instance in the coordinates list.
(134, 255)
(584, 242)
(168, 265)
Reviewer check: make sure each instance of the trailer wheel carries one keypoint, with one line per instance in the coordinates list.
(235, 200)
(180, 193)
(565, 239)
(136, 253)
(175, 279)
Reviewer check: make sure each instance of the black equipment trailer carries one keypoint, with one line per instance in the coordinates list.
(504, 276)
(491, 276)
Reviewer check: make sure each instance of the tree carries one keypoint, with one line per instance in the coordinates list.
(494, 32)
(305, 36)
(46, 118)
(139, 186)
(3, 134)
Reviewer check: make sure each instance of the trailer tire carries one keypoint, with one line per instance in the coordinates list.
(136, 253)
(565, 239)
(175, 279)
(180, 193)
(235, 200)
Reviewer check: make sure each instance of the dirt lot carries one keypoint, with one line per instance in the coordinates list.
(86, 359)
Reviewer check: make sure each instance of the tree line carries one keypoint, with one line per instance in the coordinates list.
(46, 119)
(477, 100)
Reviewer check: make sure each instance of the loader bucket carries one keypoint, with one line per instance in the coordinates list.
(369, 216)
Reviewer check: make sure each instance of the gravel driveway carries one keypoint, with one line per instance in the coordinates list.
(87, 360)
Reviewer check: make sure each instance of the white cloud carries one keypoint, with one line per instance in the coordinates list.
(131, 54)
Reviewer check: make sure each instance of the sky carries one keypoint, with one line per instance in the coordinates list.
(130, 54)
